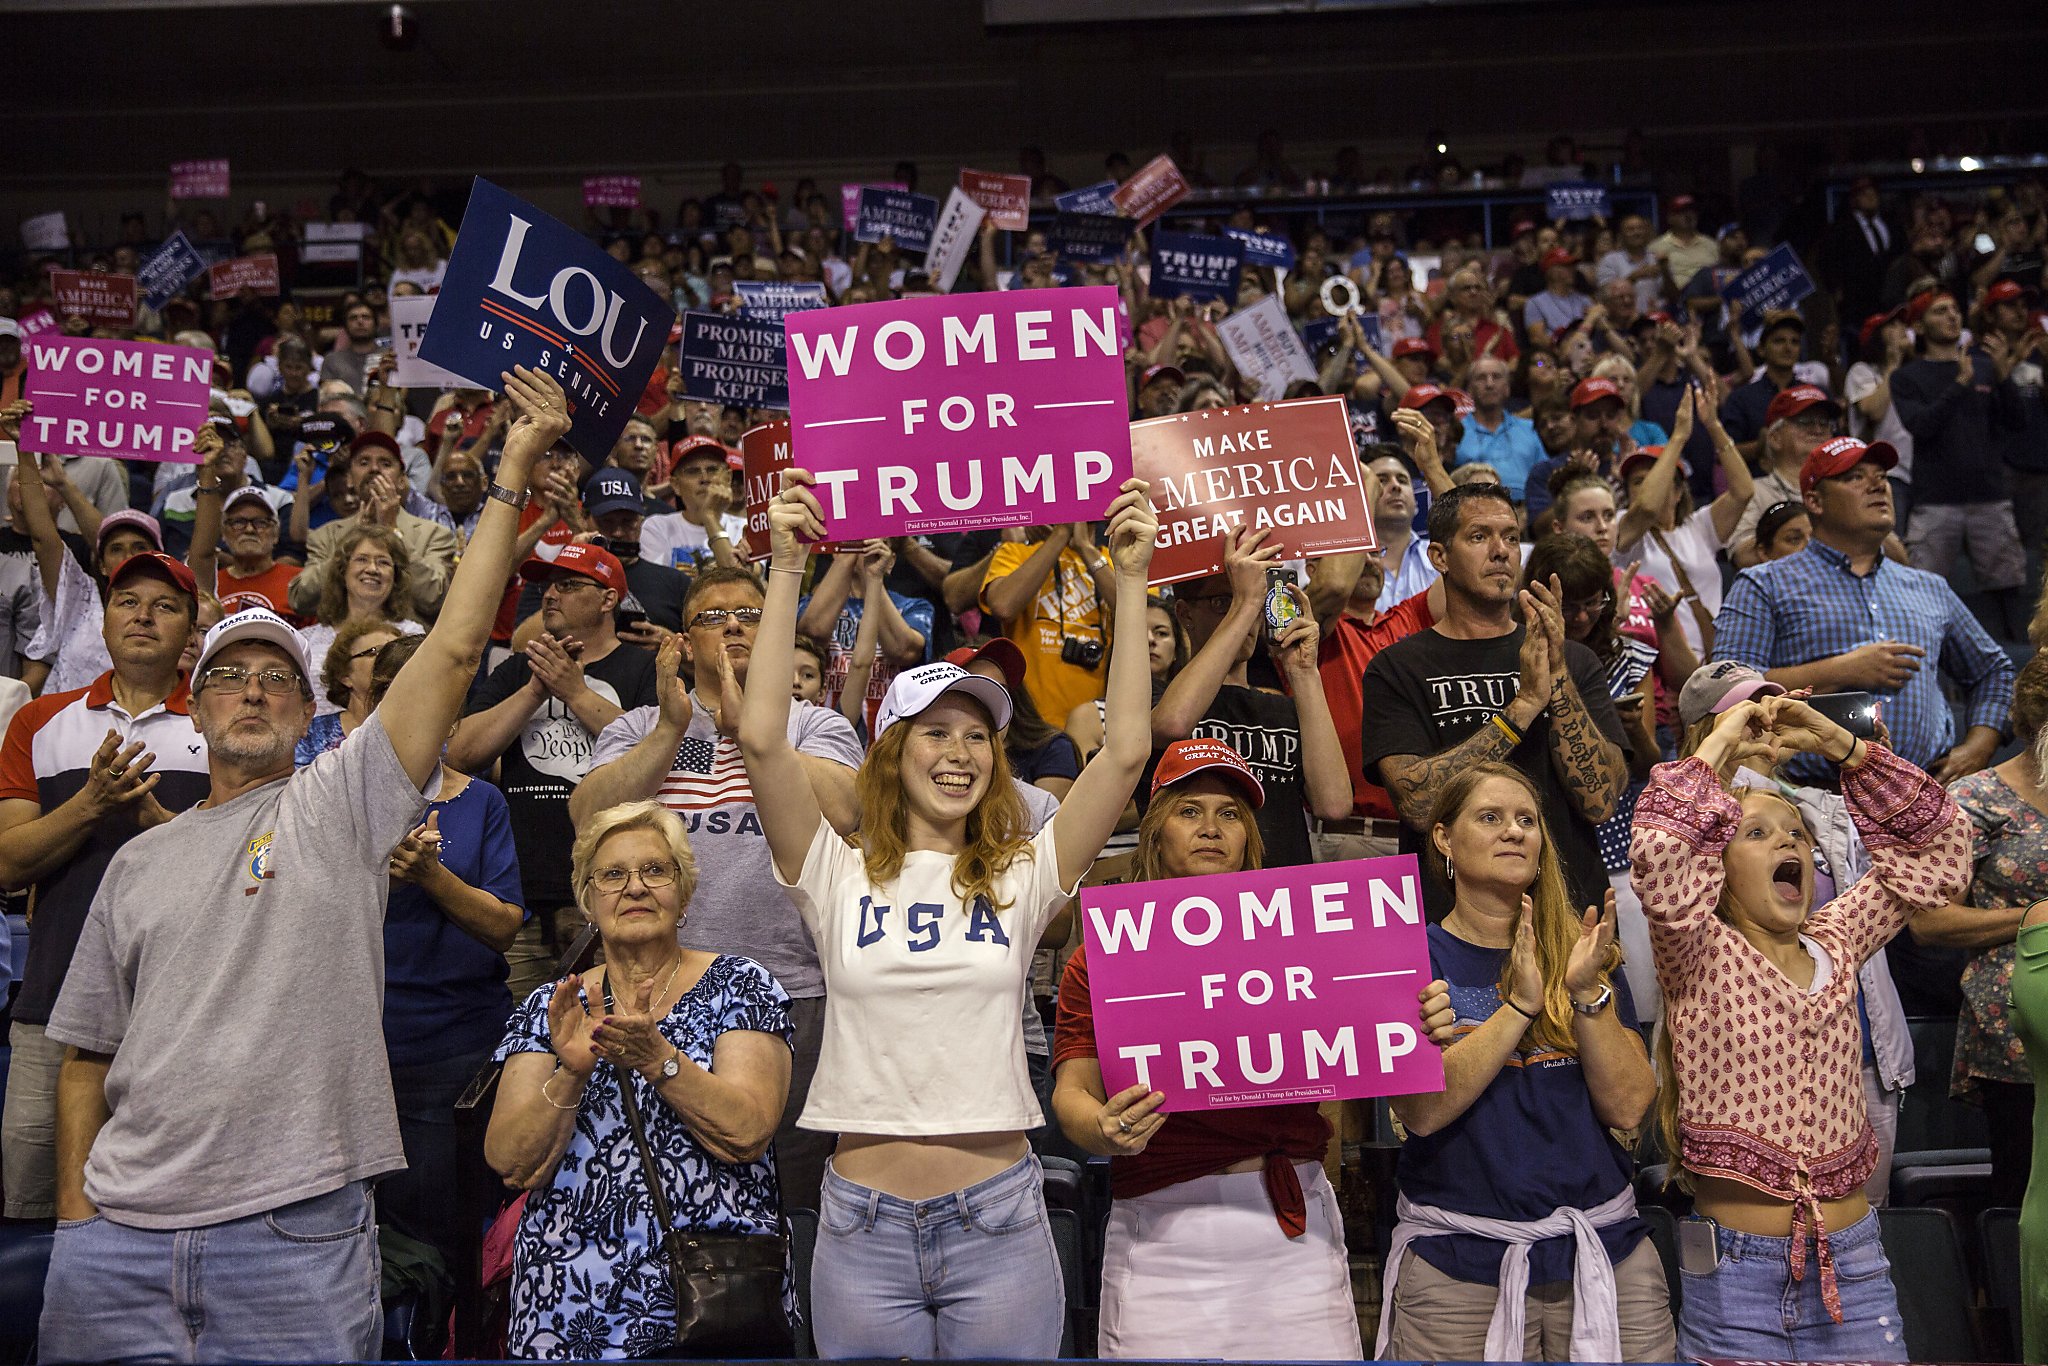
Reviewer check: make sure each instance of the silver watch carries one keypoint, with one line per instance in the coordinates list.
(1598, 1003)
(674, 1062)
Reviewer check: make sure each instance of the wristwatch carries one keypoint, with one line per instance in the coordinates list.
(672, 1064)
(1598, 1003)
(504, 495)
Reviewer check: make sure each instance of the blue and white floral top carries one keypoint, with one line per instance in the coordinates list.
(588, 1278)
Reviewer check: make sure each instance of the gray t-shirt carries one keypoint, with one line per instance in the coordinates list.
(233, 964)
(738, 907)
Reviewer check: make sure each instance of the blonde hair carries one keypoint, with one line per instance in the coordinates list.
(997, 827)
(1148, 862)
(1556, 923)
(1623, 371)
(619, 820)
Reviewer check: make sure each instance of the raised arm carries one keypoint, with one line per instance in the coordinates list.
(208, 494)
(1009, 596)
(1326, 776)
(36, 517)
(788, 809)
(1684, 820)
(425, 698)
(1741, 490)
(1246, 557)
(1088, 816)
(1639, 518)
(1591, 767)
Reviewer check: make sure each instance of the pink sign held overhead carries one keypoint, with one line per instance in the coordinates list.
(947, 413)
(199, 179)
(129, 400)
(1264, 988)
(611, 191)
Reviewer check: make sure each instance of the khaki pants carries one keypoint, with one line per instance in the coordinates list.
(1439, 1318)
(28, 1128)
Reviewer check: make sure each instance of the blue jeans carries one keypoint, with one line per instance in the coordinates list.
(971, 1274)
(299, 1283)
(1749, 1306)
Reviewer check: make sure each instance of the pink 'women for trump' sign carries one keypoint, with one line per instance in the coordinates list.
(130, 400)
(1273, 987)
(952, 412)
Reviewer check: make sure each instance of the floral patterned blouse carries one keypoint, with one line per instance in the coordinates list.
(588, 1277)
(2009, 859)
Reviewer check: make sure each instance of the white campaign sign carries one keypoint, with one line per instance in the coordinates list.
(409, 316)
(1265, 347)
(953, 238)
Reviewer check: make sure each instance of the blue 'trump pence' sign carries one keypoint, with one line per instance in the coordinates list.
(524, 289)
(1188, 266)
(1777, 281)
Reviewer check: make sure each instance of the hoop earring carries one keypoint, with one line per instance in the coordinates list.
(1450, 873)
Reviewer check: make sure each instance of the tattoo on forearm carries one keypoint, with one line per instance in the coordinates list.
(1415, 787)
(1594, 770)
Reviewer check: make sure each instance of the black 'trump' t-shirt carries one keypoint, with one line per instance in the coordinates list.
(1428, 693)
(1265, 730)
(550, 755)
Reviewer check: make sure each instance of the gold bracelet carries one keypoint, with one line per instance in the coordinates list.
(550, 1099)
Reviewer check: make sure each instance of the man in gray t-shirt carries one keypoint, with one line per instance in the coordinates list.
(225, 1067)
(684, 754)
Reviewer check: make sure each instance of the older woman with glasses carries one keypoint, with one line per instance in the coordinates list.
(702, 1041)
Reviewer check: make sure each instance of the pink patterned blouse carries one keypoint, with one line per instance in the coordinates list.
(1770, 1087)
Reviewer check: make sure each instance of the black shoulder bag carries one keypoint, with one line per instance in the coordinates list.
(728, 1286)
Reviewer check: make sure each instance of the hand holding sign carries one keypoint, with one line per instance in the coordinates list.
(1439, 1016)
(1128, 1120)
(543, 412)
(795, 521)
(1133, 529)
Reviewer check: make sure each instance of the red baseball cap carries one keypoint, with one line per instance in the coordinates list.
(1917, 306)
(1590, 391)
(692, 447)
(382, 441)
(1413, 346)
(1841, 455)
(1522, 225)
(1183, 759)
(1680, 203)
(1461, 402)
(1876, 321)
(1422, 395)
(162, 566)
(1794, 399)
(2004, 292)
(1152, 372)
(1001, 652)
(1558, 256)
(1645, 455)
(579, 557)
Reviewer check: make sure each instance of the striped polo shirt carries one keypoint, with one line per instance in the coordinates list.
(45, 760)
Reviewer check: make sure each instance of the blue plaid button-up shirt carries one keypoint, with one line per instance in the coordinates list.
(1811, 606)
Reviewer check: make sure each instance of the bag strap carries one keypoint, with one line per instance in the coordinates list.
(648, 1170)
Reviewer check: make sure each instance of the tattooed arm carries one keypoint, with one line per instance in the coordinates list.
(1592, 768)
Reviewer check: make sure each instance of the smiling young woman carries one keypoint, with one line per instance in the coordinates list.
(933, 1238)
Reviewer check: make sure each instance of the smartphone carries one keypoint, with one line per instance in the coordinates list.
(626, 618)
(1281, 607)
(1855, 712)
(1984, 246)
(1699, 1250)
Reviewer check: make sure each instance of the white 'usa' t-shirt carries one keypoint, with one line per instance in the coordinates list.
(924, 1029)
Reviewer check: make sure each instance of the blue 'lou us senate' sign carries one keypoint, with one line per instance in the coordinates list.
(522, 288)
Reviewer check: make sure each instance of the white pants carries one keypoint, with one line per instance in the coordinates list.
(1202, 1269)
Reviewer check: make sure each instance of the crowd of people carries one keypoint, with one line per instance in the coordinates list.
(398, 743)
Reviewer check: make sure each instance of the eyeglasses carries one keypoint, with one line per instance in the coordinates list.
(369, 562)
(712, 618)
(234, 678)
(612, 881)
(250, 523)
(369, 652)
(1589, 607)
(562, 583)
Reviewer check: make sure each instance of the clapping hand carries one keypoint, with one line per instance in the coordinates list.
(630, 1037)
(418, 855)
(1525, 966)
(1593, 956)
(570, 1026)
(118, 776)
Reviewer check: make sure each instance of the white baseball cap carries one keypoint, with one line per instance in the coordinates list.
(915, 689)
(255, 623)
(9, 328)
